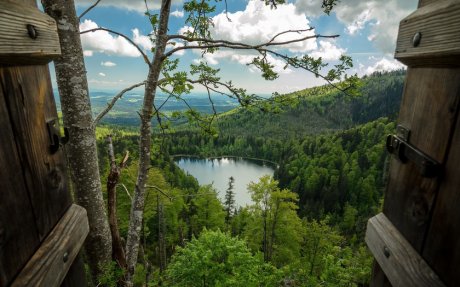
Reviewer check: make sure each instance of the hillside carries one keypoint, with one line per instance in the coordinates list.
(320, 109)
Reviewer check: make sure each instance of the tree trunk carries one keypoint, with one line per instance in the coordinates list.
(118, 253)
(137, 207)
(81, 148)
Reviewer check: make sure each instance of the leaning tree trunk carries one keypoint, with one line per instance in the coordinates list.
(137, 207)
(81, 148)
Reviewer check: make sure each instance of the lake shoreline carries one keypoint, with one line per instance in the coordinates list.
(275, 164)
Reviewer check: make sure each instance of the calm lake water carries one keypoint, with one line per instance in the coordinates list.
(217, 171)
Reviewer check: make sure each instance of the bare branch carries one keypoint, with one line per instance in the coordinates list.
(289, 31)
(125, 160)
(146, 59)
(127, 192)
(113, 101)
(87, 10)
(160, 190)
(211, 101)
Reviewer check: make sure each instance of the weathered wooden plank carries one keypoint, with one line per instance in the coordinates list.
(29, 99)
(429, 106)
(442, 246)
(439, 26)
(18, 234)
(425, 2)
(50, 263)
(17, 46)
(401, 263)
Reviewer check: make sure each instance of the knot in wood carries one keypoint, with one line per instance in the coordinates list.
(32, 31)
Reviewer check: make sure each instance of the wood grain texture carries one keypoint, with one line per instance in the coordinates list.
(16, 46)
(429, 106)
(18, 234)
(49, 265)
(403, 266)
(442, 246)
(425, 2)
(29, 99)
(439, 24)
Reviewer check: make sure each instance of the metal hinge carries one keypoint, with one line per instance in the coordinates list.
(399, 146)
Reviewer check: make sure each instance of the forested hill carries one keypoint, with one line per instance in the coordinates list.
(320, 109)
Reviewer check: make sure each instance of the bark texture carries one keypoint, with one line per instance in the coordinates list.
(137, 207)
(81, 148)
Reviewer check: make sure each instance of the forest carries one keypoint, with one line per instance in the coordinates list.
(305, 226)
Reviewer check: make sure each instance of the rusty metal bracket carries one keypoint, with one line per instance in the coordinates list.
(399, 146)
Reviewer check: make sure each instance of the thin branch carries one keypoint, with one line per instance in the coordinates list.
(146, 59)
(286, 58)
(290, 31)
(113, 101)
(211, 101)
(127, 191)
(87, 10)
(124, 160)
(226, 11)
(160, 190)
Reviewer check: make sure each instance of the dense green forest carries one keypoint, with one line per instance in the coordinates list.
(305, 226)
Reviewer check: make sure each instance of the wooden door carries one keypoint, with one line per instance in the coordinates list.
(41, 232)
(421, 214)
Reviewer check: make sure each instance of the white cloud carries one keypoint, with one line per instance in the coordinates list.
(258, 23)
(104, 42)
(328, 51)
(141, 40)
(108, 64)
(87, 53)
(178, 14)
(383, 17)
(102, 74)
(382, 65)
(359, 23)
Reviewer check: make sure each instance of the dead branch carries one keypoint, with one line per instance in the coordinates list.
(87, 10)
(118, 252)
(159, 190)
(113, 101)
(127, 191)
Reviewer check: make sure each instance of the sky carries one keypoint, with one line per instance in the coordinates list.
(367, 29)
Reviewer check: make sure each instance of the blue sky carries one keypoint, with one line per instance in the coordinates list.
(367, 29)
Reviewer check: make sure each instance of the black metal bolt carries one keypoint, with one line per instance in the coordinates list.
(416, 39)
(65, 258)
(386, 251)
(32, 31)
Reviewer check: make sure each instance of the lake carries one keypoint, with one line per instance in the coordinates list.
(217, 171)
